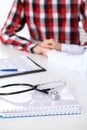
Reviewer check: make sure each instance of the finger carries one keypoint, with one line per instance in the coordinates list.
(47, 43)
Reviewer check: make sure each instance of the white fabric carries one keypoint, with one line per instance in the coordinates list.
(74, 62)
(73, 49)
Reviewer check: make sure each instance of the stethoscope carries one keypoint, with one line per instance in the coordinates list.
(52, 92)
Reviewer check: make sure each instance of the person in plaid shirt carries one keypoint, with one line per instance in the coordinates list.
(52, 24)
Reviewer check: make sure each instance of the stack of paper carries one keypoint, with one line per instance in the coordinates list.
(35, 103)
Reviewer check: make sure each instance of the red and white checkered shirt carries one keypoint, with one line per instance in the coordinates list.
(57, 19)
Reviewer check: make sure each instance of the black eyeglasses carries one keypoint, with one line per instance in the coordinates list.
(49, 88)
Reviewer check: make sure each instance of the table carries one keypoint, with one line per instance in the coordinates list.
(78, 82)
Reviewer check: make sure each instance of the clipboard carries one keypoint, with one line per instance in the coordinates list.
(21, 64)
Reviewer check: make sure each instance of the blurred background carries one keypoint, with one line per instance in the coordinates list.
(5, 6)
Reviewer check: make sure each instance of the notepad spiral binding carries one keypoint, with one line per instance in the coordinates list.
(45, 111)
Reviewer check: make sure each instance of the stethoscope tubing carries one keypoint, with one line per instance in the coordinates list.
(33, 87)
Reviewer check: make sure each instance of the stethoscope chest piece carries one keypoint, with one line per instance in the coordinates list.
(54, 95)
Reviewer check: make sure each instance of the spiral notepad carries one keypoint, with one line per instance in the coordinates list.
(35, 103)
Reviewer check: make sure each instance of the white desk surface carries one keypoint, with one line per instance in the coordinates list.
(78, 82)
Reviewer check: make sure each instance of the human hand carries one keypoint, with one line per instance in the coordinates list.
(51, 44)
(38, 49)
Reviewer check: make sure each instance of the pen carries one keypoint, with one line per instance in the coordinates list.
(13, 70)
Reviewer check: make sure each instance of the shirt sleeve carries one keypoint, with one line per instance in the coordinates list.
(83, 11)
(14, 23)
(73, 49)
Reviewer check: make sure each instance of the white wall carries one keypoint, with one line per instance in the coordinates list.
(5, 6)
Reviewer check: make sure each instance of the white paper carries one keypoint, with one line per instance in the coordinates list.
(35, 103)
(21, 63)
